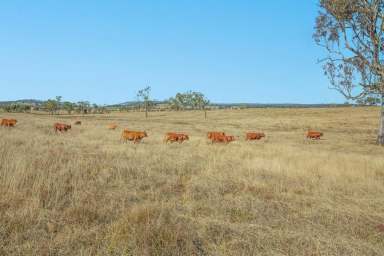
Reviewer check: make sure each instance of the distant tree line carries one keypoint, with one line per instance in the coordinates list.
(190, 100)
(17, 107)
(56, 106)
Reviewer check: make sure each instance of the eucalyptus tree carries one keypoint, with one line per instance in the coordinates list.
(144, 96)
(352, 32)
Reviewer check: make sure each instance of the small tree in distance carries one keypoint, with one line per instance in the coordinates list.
(144, 95)
(51, 106)
(83, 107)
(58, 104)
(68, 106)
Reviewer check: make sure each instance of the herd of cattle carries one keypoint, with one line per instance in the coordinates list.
(138, 136)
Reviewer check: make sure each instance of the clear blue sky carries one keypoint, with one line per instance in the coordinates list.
(104, 51)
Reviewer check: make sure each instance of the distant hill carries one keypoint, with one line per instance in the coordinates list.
(24, 101)
(216, 105)
(134, 103)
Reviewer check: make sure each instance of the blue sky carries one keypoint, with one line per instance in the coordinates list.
(104, 51)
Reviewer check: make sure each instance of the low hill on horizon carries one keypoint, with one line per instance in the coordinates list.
(220, 105)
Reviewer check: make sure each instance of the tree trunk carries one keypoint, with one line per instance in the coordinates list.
(146, 110)
(205, 113)
(380, 138)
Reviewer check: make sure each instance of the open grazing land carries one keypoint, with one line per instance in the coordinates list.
(85, 192)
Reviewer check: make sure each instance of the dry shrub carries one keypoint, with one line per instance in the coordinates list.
(153, 230)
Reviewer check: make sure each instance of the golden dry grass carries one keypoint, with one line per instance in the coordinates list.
(86, 193)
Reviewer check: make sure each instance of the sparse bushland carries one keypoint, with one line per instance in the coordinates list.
(86, 193)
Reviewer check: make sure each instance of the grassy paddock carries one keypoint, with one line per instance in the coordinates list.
(86, 193)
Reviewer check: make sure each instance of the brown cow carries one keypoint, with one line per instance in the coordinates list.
(61, 127)
(314, 135)
(78, 123)
(211, 135)
(175, 137)
(218, 138)
(8, 122)
(134, 136)
(254, 136)
(112, 126)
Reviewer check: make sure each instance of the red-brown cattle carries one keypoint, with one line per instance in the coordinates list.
(211, 135)
(314, 135)
(61, 127)
(175, 137)
(254, 136)
(112, 126)
(135, 136)
(222, 138)
(8, 122)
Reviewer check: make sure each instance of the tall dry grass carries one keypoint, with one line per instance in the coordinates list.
(86, 193)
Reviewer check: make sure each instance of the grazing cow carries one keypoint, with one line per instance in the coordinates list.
(8, 122)
(112, 126)
(211, 135)
(134, 136)
(314, 135)
(78, 123)
(254, 136)
(222, 138)
(61, 127)
(175, 137)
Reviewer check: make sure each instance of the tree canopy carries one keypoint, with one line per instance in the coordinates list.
(352, 33)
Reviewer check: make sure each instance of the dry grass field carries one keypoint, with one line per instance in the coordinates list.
(86, 193)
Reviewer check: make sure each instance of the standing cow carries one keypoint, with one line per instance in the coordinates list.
(112, 126)
(134, 136)
(8, 122)
(219, 138)
(58, 127)
(314, 135)
(175, 137)
(254, 135)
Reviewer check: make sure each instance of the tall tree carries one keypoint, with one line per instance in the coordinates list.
(58, 105)
(51, 106)
(189, 100)
(83, 106)
(352, 32)
(199, 101)
(68, 106)
(144, 95)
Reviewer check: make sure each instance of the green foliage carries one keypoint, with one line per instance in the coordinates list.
(51, 106)
(352, 34)
(83, 107)
(69, 106)
(189, 100)
(17, 108)
(144, 95)
(370, 101)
